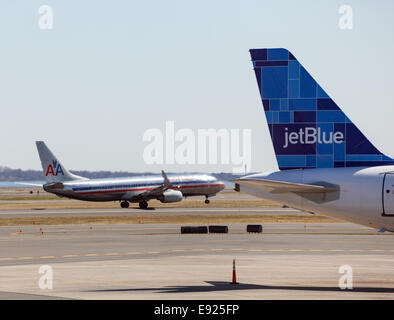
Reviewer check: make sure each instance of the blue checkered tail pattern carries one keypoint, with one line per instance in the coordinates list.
(308, 129)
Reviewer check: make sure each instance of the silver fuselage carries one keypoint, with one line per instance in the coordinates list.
(129, 188)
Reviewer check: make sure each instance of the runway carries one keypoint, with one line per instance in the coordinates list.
(155, 211)
(286, 261)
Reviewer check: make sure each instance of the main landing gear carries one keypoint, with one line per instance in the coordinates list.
(143, 204)
(124, 204)
(206, 200)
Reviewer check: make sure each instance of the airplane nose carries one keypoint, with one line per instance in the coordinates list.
(220, 186)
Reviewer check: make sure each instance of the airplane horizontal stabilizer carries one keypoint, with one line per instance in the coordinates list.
(29, 184)
(282, 186)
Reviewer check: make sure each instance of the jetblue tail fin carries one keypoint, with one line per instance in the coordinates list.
(308, 129)
(53, 169)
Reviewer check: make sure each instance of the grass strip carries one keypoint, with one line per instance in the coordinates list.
(170, 219)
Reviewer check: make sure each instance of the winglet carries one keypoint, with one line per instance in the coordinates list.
(166, 180)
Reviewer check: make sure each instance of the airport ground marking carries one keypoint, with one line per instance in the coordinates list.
(192, 250)
(32, 232)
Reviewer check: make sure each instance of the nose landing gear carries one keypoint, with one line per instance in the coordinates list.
(206, 200)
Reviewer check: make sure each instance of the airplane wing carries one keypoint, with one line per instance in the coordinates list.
(157, 191)
(282, 186)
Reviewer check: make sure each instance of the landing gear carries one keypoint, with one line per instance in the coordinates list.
(124, 204)
(206, 200)
(143, 204)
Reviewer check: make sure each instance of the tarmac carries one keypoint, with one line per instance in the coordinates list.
(286, 261)
(86, 212)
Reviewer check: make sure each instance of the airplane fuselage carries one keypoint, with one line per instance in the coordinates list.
(364, 195)
(129, 188)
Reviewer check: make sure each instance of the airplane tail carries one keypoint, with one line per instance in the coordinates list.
(308, 129)
(54, 171)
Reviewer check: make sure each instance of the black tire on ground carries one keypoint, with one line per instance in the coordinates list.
(218, 229)
(124, 204)
(207, 201)
(254, 228)
(193, 229)
(143, 204)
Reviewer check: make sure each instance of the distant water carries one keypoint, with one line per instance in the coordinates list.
(229, 184)
(19, 184)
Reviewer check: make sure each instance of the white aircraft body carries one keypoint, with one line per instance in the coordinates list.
(139, 189)
(327, 166)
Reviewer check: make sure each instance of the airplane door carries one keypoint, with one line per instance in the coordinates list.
(388, 195)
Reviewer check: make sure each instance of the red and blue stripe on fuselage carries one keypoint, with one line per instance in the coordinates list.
(127, 188)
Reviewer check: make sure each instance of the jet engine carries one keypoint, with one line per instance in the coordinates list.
(170, 196)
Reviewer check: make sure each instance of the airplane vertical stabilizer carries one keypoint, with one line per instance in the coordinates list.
(308, 129)
(54, 171)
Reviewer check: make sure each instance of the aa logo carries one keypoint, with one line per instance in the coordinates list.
(52, 167)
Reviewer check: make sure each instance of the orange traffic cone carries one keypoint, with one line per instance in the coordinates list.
(234, 274)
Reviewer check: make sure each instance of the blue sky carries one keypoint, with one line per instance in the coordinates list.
(109, 70)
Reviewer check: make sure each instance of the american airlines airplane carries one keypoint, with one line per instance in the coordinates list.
(129, 189)
(327, 166)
